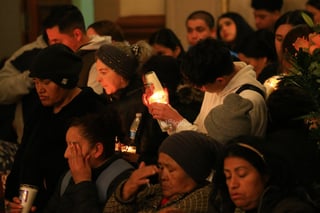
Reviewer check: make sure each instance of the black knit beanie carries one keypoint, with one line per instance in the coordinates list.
(196, 153)
(59, 64)
(120, 61)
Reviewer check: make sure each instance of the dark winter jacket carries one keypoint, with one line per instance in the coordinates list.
(40, 159)
(128, 102)
(276, 200)
(83, 197)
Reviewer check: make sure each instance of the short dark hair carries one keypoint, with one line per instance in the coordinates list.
(103, 128)
(108, 28)
(259, 44)
(269, 5)
(66, 17)
(206, 61)
(204, 15)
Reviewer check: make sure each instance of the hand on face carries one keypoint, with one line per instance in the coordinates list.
(79, 164)
(138, 178)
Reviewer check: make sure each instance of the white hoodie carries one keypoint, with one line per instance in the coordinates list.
(258, 115)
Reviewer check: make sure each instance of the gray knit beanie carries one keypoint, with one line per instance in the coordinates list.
(196, 153)
(119, 58)
(230, 119)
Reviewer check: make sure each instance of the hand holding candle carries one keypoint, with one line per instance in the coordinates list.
(155, 93)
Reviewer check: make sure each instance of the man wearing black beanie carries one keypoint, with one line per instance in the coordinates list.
(40, 158)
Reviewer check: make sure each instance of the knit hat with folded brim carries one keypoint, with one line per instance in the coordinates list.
(230, 119)
(59, 64)
(119, 59)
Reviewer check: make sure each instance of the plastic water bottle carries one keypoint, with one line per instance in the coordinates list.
(134, 127)
(117, 146)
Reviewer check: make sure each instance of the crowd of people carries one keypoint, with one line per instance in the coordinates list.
(229, 146)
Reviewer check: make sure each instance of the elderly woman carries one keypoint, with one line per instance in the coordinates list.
(255, 180)
(185, 161)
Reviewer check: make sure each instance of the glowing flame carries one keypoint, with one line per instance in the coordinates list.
(158, 97)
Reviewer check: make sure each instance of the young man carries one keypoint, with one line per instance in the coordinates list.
(266, 13)
(200, 25)
(39, 160)
(65, 24)
(209, 66)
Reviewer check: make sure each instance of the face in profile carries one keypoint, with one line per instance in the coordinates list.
(280, 34)
(245, 184)
(197, 30)
(108, 78)
(56, 37)
(173, 179)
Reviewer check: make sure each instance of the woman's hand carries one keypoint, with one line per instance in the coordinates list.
(79, 164)
(138, 178)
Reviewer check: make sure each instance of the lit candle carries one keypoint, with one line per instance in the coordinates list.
(158, 97)
(271, 84)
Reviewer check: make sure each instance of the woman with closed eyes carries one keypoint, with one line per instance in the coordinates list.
(254, 180)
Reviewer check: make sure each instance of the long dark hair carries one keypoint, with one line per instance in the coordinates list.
(167, 38)
(242, 26)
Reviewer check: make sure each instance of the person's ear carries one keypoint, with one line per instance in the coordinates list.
(98, 150)
(177, 51)
(220, 80)
(77, 34)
